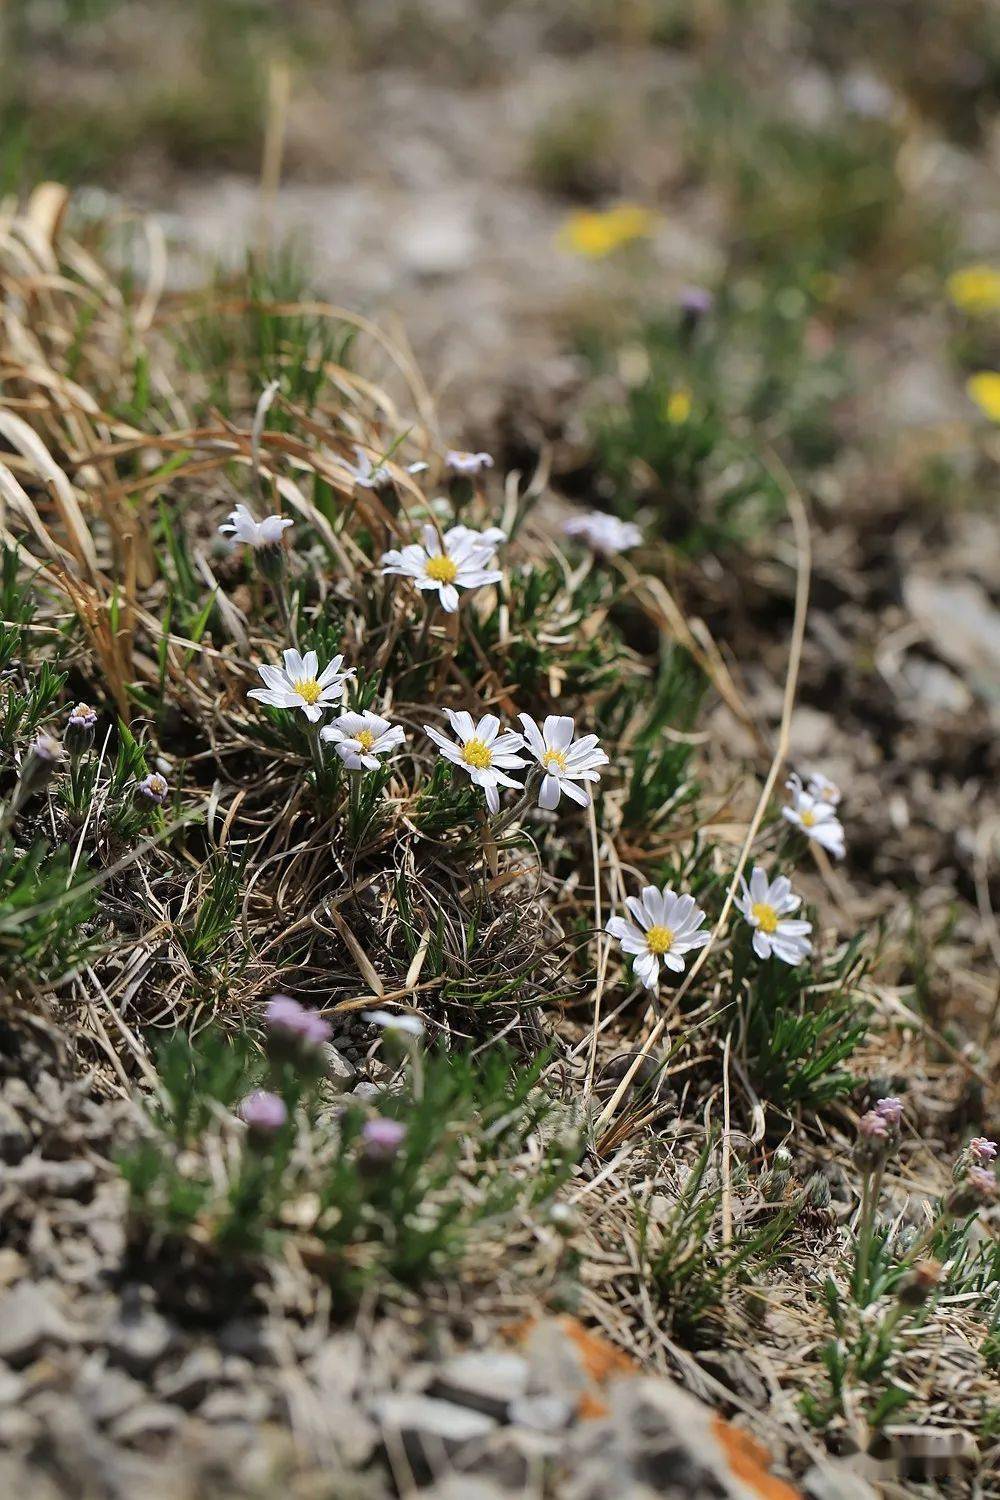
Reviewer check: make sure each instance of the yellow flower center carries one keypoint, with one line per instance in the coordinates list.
(555, 758)
(678, 405)
(475, 753)
(442, 569)
(308, 689)
(366, 739)
(765, 916)
(659, 940)
(807, 818)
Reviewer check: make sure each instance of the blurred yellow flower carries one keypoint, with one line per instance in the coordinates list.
(975, 289)
(677, 407)
(984, 389)
(595, 235)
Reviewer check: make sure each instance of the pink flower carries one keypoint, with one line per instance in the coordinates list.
(262, 1112)
(983, 1184)
(890, 1109)
(381, 1139)
(154, 787)
(287, 1018)
(873, 1126)
(982, 1150)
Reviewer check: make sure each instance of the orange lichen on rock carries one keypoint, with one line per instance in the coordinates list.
(749, 1461)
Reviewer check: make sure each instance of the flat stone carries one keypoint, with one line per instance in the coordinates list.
(152, 1419)
(29, 1321)
(192, 1379)
(138, 1338)
(244, 1405)
(336, 1066)
(487, 1380)
(107, 1393)
(429, 1428)
(15, 1137)
(61, 1179)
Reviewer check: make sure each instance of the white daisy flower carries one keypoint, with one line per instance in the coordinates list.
(816, 819)
(666, 927)
(394, 1020)
(822, 788)
(300, 684)
(485, 542)
(370, 476)
(604, 533)
(564, 760)
(359, 739)
(482, 751)
(467, 463)
(243, 527)
(766, 905)
(449, 563)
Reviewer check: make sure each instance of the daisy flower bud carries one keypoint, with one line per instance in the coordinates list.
(695, 303)
(766, 906)
(666, 926)
(80, 726)
(920, 1283)
(982, 1150)
(263, 1113)
(486, 755)
(565, 761)
(38, 765)
(155, 788)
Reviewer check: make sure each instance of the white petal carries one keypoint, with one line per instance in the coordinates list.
(548, 796)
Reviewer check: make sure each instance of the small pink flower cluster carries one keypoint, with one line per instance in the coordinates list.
(287, 1020)
(878, 1132)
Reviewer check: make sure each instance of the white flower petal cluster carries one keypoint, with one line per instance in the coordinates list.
(243, 526)
(565, 761)
(767, 907)
(666, 926)
(360, 738)
(458, 462)
(814, 816)
(371, 476)
(460, 559)
(603, 533)
(300, 684)
(482, 751)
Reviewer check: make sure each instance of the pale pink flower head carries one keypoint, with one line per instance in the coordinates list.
(983, 1183)
(287, 1019)
(891, 1110)
(82, 717)
(873, 1126)
(262, 1112)
(381, 1139)
(982, 1150)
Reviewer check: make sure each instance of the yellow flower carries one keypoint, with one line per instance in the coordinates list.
(975, 289)
(595, 235)
(984, 389)
(677, 407)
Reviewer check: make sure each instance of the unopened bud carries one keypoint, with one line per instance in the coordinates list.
(920, 1283)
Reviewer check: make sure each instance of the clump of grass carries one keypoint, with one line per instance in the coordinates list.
(368, 1209)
